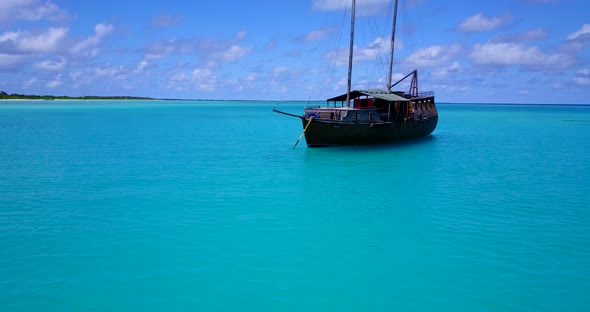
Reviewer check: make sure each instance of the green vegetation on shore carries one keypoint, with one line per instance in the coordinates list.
(16, 96)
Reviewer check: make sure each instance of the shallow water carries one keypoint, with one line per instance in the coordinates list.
(201, 205)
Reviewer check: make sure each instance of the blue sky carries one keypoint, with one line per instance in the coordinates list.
(503, 51)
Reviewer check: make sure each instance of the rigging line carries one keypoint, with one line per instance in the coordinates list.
(329, 75)
(360, 44)
(419, 17)
(400, 56)
(369, 61)
(384, 48)
(350, 53)
(378, 68)
(379, 33)
(409, 42)
(420, 29)
(381, 55)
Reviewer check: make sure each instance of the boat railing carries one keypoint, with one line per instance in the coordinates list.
(312, 106)
(425, 93)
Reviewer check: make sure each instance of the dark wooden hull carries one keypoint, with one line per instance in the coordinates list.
(322, 133)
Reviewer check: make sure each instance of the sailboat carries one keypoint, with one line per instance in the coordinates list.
(371, 116)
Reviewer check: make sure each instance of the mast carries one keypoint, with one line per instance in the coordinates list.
(350, 53)
(392, 45)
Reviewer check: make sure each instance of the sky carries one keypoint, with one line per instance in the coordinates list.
(466, 51)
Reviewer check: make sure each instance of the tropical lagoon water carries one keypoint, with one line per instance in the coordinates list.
(204, 206)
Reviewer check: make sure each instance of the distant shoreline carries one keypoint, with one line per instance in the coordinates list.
(113, 98)
(52, 97)
(132, 98)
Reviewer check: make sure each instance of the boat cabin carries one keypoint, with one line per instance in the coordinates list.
(371, 106)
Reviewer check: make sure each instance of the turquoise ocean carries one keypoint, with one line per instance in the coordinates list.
(205, 206)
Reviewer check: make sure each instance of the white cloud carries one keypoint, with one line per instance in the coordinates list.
(10, 36)
(30, 10)
(158, 50)
(506, 54)
(542, 1)
(583, 77)
(317, 35)
(75, 76)
(114, 72)
(434, 55)
(141, 66)
(178, 82)
(51, 65)
(480, 22)
(10, 62)
(279, 70)
(25, 42)
(234, 53)
(46, 11)
(106, 71)
(371, 51)
(44, 42)
(166, 21)
(443, 72)
(204, 79)
(582, 34)
(328, 5)
(102, 30)
(55, 82)
(279, 75)
(180, 77)
(368, 7)
(241, 35)
(208, 49)
(252, 77)
(27, 84)
(585, 81)
(88, 45)
(525, 36)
